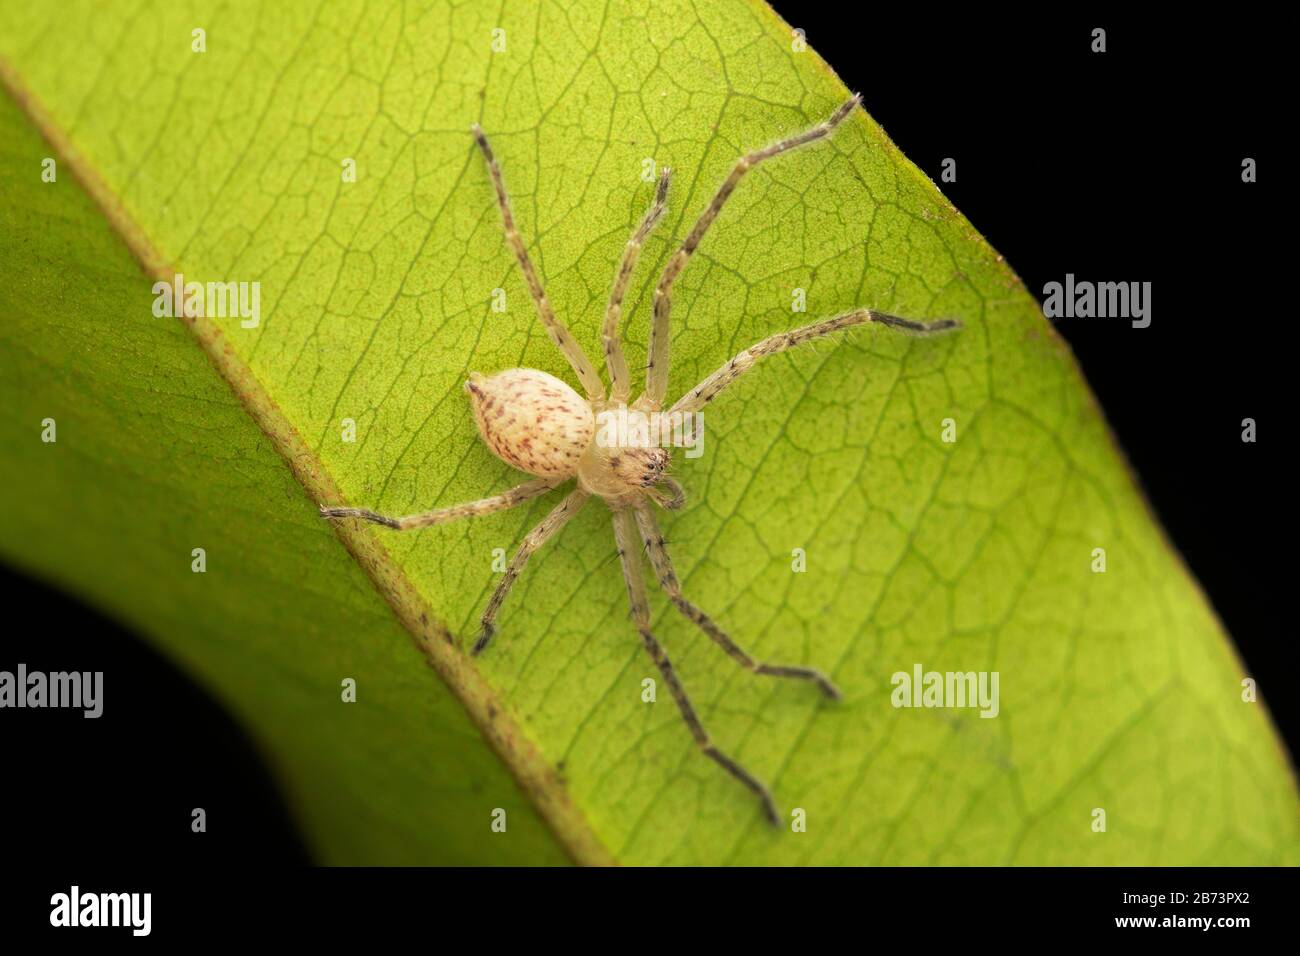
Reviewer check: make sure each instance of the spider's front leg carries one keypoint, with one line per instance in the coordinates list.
(629, 552)
(663, 568)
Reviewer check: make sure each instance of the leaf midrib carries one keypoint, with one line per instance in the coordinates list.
(514, 747)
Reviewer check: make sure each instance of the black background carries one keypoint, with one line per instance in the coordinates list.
(1122, 166)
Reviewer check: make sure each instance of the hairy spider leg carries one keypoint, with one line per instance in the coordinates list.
(559, 334)
(620, 379)
(629, 552)
(709, 389)
(663, 569)
(656, 381)
(553, 522)
(470, 509)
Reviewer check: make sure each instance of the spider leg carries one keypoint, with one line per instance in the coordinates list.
(663, 569)
(630, 554)
(470, 509)
(707, 390)
(560, 335)
(552, 523)
(656, 382)
(619, 376)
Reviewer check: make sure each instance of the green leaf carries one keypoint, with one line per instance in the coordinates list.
(1119, 690)
(155, 457)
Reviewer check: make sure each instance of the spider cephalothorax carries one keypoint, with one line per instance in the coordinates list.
(540, 425)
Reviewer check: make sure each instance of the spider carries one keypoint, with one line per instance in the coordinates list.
(540, 425)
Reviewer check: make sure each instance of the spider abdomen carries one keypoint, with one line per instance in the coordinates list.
(532, 420)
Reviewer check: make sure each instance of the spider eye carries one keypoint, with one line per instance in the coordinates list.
(658, 461)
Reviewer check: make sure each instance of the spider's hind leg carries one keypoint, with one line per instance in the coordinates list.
(470, 509)
(557, 330)
(630, 555)
(663, 569)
